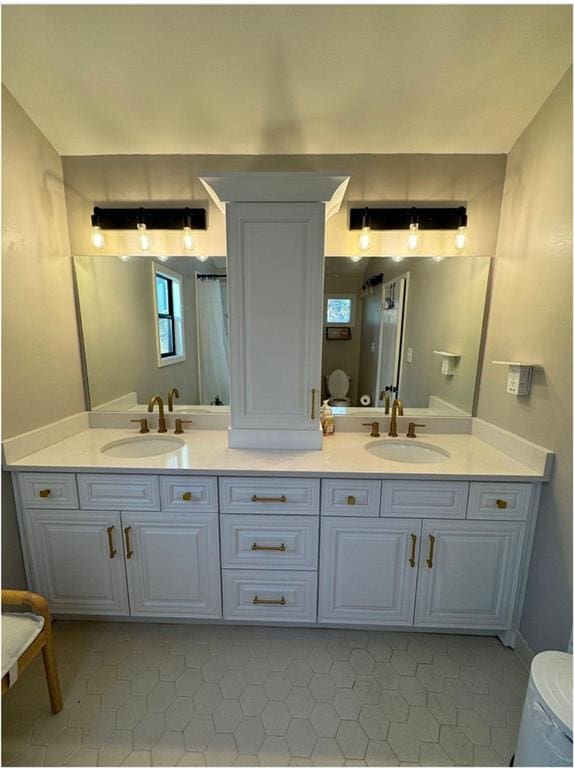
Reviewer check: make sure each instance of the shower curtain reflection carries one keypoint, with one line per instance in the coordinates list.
(213, 343)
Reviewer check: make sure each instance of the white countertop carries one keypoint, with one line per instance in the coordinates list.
(343, 455)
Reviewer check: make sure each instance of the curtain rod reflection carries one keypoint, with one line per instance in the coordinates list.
(211, 277)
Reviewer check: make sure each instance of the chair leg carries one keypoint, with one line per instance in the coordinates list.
(54, 690)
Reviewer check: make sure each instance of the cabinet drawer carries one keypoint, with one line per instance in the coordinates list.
(351, 498)
(257, 495)
(289, 542)
(499, 501)
(424, 498)
(188, 494)
(270, 596)
(120, 492)
(48, 489)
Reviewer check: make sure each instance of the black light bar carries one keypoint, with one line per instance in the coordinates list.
(153, 218)
(402, 218)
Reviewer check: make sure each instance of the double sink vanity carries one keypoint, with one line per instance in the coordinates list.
(114, 523)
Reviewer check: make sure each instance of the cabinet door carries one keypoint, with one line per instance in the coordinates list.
(172, 563)
(368, 570)
(275, 265)
(77, 560)
(470, 581)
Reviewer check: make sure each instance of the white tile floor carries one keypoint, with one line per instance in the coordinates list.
(172, 694)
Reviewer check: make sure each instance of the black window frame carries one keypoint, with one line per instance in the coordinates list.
(166, 316)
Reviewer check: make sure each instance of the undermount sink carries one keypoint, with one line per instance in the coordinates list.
(140, 447)
(410, 451)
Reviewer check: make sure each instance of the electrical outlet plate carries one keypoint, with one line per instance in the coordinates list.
(519, 377)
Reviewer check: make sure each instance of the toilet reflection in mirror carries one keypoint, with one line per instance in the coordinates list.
(400, 315)
(151, 327)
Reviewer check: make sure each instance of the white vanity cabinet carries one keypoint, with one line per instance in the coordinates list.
(76, 560)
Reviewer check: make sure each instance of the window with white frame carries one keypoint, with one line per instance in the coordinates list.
(168, 309)
(340, 309)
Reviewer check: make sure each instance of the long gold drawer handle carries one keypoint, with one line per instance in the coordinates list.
(270, 499)
(313, 391)
(186, 496)
(261, 601)
(501, 503)
(259, 548)
(44, 493)
(129, 550)
(351, 501)
(111, 541)
(412, 562)
(431, 550)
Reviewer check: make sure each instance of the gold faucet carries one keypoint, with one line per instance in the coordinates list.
(397, 407)
(173, 392)
(374, 425)
(157, 399)
(385, 396)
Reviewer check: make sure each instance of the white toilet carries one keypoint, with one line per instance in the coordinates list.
(338, 383)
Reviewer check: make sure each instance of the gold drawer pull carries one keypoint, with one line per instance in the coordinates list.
(129, 550)
(313, 391)
(431, 550)
(351, 501)
(45, 493)
(259, 548)
(261, 601)
(187, 496)
(501, 503)
(412, 562)
(270, 499)
(111, 542)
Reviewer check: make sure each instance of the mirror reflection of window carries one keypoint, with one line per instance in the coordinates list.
(170, 333)
(340, 310)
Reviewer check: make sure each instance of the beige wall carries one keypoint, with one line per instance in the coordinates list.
(530, 319)
(41, 371)
(118, 326)
(475, 179)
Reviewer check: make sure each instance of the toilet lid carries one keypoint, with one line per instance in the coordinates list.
(338, 383)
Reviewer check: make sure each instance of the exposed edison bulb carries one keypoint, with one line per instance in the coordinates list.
(414, 238)
(145, 243)
(202, 257)
(188, 241)
(398, 258)
(124, 258)
(357, 257)
(365, 239)
(461, 238)
(438, 258)
(97, 237)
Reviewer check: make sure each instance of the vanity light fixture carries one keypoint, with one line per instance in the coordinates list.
(188, 241)
(414, 238)
(97, 236)
(365, 236)
(461, 237)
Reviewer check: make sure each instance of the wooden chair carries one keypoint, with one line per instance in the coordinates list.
(24, 636)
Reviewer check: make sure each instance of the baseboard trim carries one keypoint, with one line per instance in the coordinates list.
(523, 650)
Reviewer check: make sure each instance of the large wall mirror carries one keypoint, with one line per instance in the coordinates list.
(410, 328)
(149, 326)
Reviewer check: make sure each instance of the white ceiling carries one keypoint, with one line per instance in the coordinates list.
(283, 79)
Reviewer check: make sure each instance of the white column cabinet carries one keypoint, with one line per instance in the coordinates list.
(472, 578)
(173, 564)
(275, 268)
(77, 560)
(368, 570)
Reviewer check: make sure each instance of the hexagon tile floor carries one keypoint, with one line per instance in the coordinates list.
(172, 694)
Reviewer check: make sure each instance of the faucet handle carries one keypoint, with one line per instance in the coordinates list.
(179, 425)
(144, 429)
(411, 429)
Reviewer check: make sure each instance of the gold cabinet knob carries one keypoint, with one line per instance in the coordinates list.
(501, 503)
(186, 496)
(44, 493)
(351, 501)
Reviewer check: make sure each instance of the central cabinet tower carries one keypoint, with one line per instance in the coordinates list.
(275, 265)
